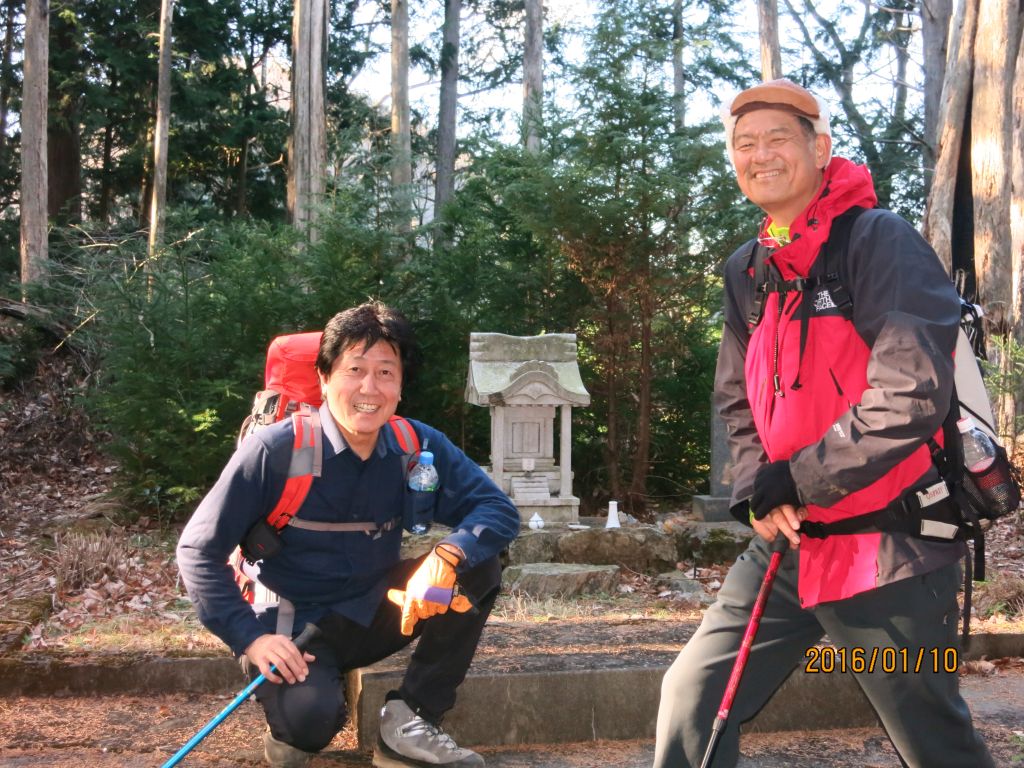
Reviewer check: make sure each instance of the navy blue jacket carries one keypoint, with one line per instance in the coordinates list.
(328, 571)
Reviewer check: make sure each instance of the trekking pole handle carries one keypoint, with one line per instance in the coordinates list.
(308, 634)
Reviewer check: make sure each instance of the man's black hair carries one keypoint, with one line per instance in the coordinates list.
(367, 324)
(807, 126)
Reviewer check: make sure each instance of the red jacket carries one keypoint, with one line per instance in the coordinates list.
(853, 409)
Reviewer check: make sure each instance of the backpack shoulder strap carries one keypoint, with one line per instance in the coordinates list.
(306, 463)
(408, 441)
(836, 264)
(405, 434)
(758, 257)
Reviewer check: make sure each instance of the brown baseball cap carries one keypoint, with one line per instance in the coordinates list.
(776, 94)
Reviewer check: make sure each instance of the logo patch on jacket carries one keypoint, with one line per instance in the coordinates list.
(823, 301)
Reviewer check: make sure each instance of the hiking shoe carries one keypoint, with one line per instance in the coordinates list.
(281, 755)
(406, 739)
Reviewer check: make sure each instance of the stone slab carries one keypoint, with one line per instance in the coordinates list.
(711, 509)
(640, 548)
(560, 707)
(711, 543)
(564, 580)
(28, 675)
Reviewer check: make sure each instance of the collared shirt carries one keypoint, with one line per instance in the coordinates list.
(328, 571)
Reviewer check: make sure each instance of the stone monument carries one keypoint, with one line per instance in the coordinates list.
(523, 380)
(714, 507)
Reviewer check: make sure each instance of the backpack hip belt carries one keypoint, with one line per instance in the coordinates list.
(925, 512)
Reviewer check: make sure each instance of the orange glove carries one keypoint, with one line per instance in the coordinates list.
(431, 589)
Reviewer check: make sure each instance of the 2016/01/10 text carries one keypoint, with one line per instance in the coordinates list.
(831, 659)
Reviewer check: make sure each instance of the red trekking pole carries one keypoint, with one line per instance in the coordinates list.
(778, 548)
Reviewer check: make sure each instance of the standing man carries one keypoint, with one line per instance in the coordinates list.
(829, 415)
(340, 556)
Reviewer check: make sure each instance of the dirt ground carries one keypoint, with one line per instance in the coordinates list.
(137, 732)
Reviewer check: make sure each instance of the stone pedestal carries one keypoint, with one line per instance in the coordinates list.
(714, 507)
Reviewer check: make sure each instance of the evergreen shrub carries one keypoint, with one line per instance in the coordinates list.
(183, 337)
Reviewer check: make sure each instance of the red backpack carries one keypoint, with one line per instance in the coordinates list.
(292, 389)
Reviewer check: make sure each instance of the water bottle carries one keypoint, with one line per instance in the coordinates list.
(423, 482)
(988, 472)
(979, 450)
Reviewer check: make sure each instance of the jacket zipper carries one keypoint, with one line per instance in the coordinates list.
(835, 381)
(776, 378)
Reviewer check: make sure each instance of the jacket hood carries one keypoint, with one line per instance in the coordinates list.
(844, 185)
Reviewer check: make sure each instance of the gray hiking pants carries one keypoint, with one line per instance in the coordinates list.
(922, 711)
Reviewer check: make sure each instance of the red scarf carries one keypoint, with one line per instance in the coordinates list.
(845, 185)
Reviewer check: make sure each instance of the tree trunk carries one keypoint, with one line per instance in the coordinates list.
(103, 207)
(678, 72)
(956, 94)
(146, 186)
(64, 162)
(6, 75)
(63, 141)
(401, 137)
(935, 16)
(994, 54)
(158, 204)
(34, 250)
(642, 454)
(307, 145)
(444, 183)
(242, 181)
(1017, 226)
(533, 75)
(768, 26)
(612, 450)
(107, 158)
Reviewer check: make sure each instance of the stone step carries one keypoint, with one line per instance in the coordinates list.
(565, 580)
(556, 698)
(552, 706)
(530, 488)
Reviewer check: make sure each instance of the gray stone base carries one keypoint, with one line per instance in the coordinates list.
(554, 510)
(711, 509)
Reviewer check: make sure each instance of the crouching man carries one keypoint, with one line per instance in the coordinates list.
(339, 560)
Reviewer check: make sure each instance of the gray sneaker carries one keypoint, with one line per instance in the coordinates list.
(281, 755)
(406, 739)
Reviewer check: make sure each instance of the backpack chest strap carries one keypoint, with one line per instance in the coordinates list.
(365, 527)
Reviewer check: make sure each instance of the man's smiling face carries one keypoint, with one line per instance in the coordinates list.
(362, 392)
(778, 165)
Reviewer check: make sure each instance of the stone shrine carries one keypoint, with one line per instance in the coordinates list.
(523, 380)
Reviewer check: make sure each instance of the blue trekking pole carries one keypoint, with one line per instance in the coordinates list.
(311, 631)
